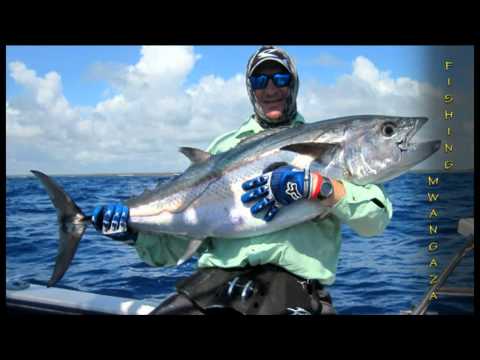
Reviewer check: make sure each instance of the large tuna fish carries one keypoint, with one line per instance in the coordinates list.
(204, 201)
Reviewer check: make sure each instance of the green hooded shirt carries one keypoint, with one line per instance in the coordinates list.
(309, 250)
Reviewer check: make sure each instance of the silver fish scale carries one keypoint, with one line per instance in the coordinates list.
(219, 212)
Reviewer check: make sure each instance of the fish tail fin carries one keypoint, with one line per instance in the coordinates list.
(72, 224)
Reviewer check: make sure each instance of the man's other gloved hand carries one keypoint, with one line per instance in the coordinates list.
(281, 187)
(111, 220)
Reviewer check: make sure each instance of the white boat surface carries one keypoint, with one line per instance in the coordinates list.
(24, 298)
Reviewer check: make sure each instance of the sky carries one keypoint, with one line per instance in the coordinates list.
(124, 109)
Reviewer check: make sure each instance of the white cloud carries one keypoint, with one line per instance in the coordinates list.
(160, 71)
(139, 127)
(164, 62)
(149, 112)
(46, 91)
(367, 90)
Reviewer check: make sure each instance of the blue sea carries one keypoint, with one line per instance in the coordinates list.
(385, 274)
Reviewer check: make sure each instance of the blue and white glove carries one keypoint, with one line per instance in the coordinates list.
(281, 187)
(111, 219)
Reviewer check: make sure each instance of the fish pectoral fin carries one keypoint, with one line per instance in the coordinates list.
(192, 248)
(196, 156)
(313, 149)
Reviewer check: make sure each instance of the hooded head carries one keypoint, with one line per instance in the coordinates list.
(273, 54)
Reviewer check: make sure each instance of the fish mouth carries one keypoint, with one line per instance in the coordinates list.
(406, 143)
(414, 153)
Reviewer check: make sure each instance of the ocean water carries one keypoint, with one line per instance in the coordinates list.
(385, 274)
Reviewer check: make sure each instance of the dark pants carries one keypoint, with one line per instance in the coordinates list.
(258, 290)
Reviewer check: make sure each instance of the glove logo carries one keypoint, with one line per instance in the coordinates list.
(298, 311)
(292, 191)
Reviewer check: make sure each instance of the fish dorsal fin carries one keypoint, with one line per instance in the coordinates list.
(196, 156)
(313, 149)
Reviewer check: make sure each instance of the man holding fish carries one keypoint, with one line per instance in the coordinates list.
(282, 272)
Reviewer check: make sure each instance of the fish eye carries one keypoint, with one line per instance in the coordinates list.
(388, 129)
